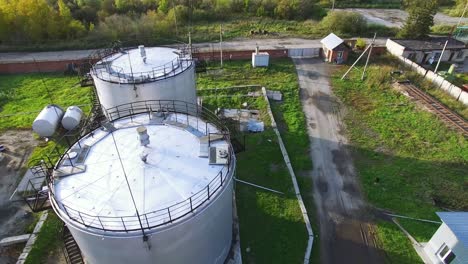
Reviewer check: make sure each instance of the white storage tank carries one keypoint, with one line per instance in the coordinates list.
(72, 117)
(47, 121)
(139, 74)
(140, 191)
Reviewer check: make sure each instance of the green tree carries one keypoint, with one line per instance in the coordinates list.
(163, 6)
(344, 23)
(3, 27)
(458, 8)
(420, 18)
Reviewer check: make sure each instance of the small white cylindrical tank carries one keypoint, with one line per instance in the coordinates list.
(144, 73)
(72, 117)
(47, 121)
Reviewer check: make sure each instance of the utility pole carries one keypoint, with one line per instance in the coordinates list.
(364, 52)
(440, 58)
(221, 43)
(368, 57)
(463, 14)
(190, 43)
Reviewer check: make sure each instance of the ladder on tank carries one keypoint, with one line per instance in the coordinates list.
(70, 248)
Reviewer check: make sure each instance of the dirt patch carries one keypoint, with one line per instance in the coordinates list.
(15, 216)
(324, 102)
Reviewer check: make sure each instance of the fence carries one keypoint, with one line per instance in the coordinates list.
(439, 81)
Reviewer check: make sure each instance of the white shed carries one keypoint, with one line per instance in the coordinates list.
(449, 244)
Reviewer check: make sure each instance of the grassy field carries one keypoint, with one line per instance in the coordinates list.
(409, 162)
(285, 238)
(47, 241)
(23, 96)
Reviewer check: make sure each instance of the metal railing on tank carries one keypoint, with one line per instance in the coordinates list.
(112, 73)
(181, 112)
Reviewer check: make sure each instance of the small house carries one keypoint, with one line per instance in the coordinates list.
(334, 49)
(449, 244)
(428, 51)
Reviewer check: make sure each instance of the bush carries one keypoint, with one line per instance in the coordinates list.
(441, 29)
(360, 44)
(344, 23)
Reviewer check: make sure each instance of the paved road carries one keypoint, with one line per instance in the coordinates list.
(241, 44)
(345, 234)
(397, 17)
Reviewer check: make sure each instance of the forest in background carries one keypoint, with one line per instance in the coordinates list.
(91, 23)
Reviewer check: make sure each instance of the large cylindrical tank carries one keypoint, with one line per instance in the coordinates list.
(72, 117)
(172, 205)
(142, 74)
(47, 121)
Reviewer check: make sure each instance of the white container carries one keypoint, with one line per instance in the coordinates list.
(260, 59)
(72, 117)
(47, 121)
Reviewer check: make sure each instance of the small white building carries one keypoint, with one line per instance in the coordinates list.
(334, 49)
(428, 51)
(449, 244)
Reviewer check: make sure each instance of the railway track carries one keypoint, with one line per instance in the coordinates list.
(445, 114)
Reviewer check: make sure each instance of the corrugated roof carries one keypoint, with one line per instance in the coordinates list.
(331, 41)
(433, 43)
(458, 223)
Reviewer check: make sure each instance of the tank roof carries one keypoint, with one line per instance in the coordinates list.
(132, 66)
(170, 173)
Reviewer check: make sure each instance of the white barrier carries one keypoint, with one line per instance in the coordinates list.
(456, 92)
(446, 86)
(463, 97)
(438, 81)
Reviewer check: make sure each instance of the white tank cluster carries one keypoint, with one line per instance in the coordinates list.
(48, 120)
(140, 192)
(72, 117)
(140, 74)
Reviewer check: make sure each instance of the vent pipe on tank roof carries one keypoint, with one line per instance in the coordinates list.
(143, 136)
(142, 52)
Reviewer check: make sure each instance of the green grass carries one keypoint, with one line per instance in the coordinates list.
(399, 248)
(23, 96)
(420, 163)
(285, 239)
(47, 240)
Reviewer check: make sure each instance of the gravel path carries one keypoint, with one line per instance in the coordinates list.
(397, 17)
(346, 236)
(240, 44)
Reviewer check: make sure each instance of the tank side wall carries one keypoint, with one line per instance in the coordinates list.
(204, 238)
(180, 87)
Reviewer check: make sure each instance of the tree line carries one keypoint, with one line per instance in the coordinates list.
(40, 20)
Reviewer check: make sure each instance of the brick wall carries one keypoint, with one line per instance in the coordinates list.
(61, 66)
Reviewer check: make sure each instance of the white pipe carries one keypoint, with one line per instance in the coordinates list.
(364, 52)
(258, 186)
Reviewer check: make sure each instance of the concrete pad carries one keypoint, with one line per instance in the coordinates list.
(14, 240)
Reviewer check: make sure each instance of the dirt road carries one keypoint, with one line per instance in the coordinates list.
(397, 17)
(345, 233)
(14, 216)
